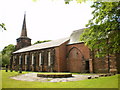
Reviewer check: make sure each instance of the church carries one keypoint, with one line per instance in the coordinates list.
(62, 55)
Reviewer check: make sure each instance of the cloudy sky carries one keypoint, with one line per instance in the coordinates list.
(45, 19)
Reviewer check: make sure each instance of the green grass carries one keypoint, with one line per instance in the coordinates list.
(103, 82)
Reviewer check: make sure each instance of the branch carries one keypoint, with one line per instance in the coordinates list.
(3, 26)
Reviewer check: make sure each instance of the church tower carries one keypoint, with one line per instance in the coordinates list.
(23, 40)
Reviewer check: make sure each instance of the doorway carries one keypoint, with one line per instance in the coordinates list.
(87, 66)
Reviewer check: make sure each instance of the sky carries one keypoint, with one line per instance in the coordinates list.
(45, 19)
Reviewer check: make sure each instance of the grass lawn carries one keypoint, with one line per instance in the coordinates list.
(102, 82)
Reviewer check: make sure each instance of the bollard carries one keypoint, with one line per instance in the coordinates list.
(6, 68)
(20, 70)
(11, 70)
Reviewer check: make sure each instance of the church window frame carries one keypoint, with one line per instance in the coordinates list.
(26, 59)
(49, 58)
(20, 57)
(40, 59)
(32, 59)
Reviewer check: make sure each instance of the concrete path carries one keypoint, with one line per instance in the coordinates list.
(33, 77)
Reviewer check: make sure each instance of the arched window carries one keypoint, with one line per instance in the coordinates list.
(49, 58)
(32, 59)
(40, 59)
(25, 59)
(20, 59)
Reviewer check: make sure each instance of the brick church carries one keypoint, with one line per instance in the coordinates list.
(62, 55)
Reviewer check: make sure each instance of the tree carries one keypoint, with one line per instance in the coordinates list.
(0, 59)
(42, 41)
(104, 29)
(68, 1)
(3, 26)
(80, 1)
(6, 54)
(104, 26)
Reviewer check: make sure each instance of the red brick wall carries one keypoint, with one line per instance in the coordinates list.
(63, 53)
(70, 58)
(100, 65)
(60, 53)
(23, 42)
(57, 59)
(81, 46)
(75, 54)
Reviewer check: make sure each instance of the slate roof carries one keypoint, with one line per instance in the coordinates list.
(50, 44)
(73, 39)
(75, 36)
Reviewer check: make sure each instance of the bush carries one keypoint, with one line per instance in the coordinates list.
(6, 54)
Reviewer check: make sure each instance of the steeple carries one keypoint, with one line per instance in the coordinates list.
(23, 40)
(24, 29)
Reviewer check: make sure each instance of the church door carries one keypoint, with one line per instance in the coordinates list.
(87, 66)
(74, 62)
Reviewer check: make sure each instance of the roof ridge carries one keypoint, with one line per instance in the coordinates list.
(44, 45)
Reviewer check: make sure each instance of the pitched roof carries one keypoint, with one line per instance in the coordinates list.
(24, 29)
(75, 36)
(50, 44)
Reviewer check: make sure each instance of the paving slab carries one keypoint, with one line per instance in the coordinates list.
(33, 77)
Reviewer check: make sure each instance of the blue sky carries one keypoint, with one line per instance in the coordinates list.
(45, 19)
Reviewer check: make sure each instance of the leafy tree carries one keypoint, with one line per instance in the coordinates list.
(80, 1)
(0, 59)
(68, 1)
(42, 41)
(6, 53)
(104, 29)
(3, 26)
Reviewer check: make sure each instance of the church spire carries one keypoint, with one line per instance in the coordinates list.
(24, 29)
(23, 40)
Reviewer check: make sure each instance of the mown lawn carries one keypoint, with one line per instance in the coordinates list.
(103, 82)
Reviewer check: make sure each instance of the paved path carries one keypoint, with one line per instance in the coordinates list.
(33, 77)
